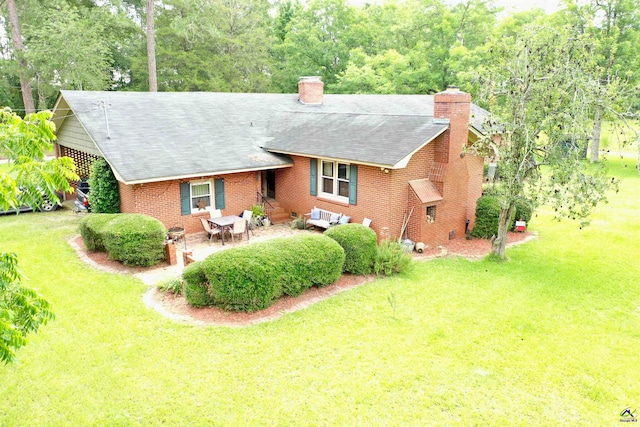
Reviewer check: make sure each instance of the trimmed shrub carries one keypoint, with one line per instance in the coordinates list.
(105, 192)
(391, 258)
(251, 278)
(487, 214)
(134, 239)
(91, 227)
(524, 211)
(359, 244)
(196, 287)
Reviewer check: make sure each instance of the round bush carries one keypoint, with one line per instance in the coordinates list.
(359, 244)
(251, 278)
(91, 227)
(524, 212)
(487, 214)
(196, 286)
(135, 239)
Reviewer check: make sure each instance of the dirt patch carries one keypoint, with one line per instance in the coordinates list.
(176, 307)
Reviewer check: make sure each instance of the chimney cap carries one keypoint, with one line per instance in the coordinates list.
(310, 79)
(453, 89)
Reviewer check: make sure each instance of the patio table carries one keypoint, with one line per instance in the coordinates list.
(226, 223)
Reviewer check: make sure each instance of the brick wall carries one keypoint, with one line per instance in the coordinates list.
(161, 200)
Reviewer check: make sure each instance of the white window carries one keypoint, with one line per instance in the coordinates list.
(201, 196)
(334, 179)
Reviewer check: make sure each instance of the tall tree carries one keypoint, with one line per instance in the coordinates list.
(18, 44)
(151, 47)
(614, 25)
(317, 43)
(209, 45)
(29, 178)
(538, 87)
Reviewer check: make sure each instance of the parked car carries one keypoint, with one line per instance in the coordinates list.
(81, 203)
(46, 206)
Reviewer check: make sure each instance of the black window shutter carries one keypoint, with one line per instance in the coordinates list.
(185, 198)
(313, 184)
(219, 185)
(353, 185)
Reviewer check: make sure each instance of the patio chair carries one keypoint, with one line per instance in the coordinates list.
(246, 215)
(211, 231)
(215, 213)
(239, 228)
(366, 222)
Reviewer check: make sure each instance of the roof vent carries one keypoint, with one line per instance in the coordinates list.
(310, 90)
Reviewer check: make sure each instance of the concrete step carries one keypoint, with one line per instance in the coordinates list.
(279, 216)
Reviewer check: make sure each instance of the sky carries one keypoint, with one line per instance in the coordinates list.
(520, 5)
(509, 5)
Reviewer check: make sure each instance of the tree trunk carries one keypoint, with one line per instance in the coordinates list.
(23, 67)
(499, 243)
(151, 48)
(595, 141)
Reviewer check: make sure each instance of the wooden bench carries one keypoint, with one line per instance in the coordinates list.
(325, 219)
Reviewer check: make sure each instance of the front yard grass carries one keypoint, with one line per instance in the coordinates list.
(550, 337)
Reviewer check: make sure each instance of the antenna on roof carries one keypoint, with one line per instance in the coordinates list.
(106, 119)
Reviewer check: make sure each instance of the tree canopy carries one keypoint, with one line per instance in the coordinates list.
(540, 87)
(24, 142)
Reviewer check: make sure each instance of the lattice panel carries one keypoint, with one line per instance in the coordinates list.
(82, 160)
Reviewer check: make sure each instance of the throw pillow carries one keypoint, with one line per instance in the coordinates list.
(315, 214)
(344, 220)
(334, 218)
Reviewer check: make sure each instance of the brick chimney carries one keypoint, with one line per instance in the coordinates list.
(310, 90)
(455, 105)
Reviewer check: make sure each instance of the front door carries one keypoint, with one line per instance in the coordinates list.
(270, 180)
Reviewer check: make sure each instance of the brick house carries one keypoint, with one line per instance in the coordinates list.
(382, 157)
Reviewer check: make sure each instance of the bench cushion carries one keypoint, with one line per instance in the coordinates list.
(315, 214)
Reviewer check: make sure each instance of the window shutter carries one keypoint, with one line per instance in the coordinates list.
(353, 185)
(219, 185)
(185, 198)
(313, 184)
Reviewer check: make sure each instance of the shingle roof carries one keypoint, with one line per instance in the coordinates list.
(162, 135)
(426, 191)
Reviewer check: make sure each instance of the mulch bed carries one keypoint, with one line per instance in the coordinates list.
(176, 307)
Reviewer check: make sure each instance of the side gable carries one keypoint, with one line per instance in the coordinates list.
(73, 135)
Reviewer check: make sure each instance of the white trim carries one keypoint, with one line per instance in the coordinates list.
(200, 174)
(334, 196)
(211, 195)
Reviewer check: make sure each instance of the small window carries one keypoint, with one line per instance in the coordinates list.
(201, 196)
(431, 214)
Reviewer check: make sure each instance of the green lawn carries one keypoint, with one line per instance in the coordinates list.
(550, 338)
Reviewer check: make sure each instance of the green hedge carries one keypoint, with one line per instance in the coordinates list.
(524, 211)
(105, 191)
(251, 278)
(359, 244)
(196, 286)
(134, 239)
(91, 227)
(488, 215)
